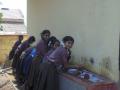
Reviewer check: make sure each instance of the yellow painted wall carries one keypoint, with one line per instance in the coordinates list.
(6, 43)
(94, 24)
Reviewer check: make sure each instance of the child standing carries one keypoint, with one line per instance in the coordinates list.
(20, 49)
(41, 47)
(48, 70)
(17, 43)
(53, 43)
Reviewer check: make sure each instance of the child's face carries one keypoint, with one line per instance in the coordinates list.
(57, 44)
(46, 36)
(68, 44)
(20, 38)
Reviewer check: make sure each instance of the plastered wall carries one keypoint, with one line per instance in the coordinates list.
(6, 43)
(94, 24)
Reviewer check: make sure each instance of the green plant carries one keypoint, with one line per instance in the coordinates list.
(1, 28)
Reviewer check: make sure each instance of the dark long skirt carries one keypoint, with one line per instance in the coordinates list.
(11, 54)
(22, 61)
(19, 69)
(47, 77)
(15, 59)
(31, 74)
(42, 76)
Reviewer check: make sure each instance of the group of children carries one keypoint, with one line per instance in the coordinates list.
(36, 67)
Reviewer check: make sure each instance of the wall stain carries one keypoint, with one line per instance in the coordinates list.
(104, 67)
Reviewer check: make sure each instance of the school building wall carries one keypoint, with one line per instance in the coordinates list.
(94, 24)
(6, 43)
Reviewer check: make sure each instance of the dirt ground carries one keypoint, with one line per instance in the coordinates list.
(9, 81)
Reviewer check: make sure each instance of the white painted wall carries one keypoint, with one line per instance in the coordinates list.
(94, 24)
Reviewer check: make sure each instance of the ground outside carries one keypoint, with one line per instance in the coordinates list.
(7, 81)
